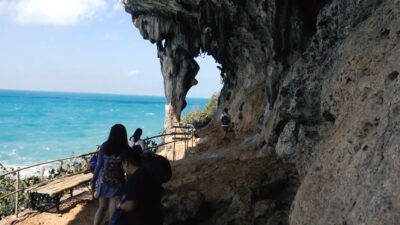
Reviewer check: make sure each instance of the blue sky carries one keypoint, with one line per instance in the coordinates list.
(82, 46)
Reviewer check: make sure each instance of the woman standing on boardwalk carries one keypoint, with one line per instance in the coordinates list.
(108, 174)
(135, 139)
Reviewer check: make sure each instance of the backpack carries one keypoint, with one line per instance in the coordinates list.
(157, 165)
(113, 175)
(225, 120)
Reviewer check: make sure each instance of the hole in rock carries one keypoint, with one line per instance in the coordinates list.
(309, 10)
(328, 116)
(209, 83)
(163, 43)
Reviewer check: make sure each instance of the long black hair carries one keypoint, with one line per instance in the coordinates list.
(117, 141)
(137, 134)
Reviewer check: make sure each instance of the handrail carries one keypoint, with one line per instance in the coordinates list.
(49, 162)
(14, 192)
(167, 134)
(187, 126)
(160, 145)
(184, 127)
(91, 153)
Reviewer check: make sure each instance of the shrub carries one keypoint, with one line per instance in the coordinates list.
(201, 118)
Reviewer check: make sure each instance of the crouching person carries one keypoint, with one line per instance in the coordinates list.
(141, 204)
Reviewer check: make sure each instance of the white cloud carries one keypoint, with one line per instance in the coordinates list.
(56, 12)
(118, 6)
(133, 73)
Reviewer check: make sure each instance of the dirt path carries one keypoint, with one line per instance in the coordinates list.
(78, 211)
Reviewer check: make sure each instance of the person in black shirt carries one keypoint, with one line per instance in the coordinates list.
(142, 200)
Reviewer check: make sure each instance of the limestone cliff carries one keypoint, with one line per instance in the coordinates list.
(313, 83)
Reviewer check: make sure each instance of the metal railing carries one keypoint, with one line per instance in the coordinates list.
(187, 136)
(177, 136)
(17, 174)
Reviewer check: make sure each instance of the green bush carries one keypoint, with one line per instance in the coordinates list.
(7, 185)
(201, 118)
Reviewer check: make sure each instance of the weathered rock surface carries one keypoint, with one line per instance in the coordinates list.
(315, 81)
(230, 186)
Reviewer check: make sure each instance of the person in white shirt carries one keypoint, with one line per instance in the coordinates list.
(135, 139)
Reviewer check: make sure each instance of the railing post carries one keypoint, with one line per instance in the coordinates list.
(192, 131)
(186, 147)
(174, 140)
(17, 193)
(61, 167)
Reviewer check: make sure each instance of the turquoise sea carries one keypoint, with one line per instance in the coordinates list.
(40, 126)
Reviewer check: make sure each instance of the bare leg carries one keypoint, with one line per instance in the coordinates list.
(112, 206)
(101, 211)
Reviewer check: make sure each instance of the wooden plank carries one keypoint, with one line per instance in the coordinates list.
(66, 184)
(36, 186)
(57, 186)
(54, 189)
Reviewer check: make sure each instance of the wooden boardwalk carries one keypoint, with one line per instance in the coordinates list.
(58, 186)
(51, 192)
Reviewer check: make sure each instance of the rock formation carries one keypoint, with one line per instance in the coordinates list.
(315, 81)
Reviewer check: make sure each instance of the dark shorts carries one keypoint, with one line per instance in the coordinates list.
(225, 128)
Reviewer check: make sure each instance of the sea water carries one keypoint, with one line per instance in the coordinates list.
(40, 126)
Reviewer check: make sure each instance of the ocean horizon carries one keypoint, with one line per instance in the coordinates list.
(37, 126)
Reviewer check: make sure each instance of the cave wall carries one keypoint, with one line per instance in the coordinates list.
(350, 167)
(250, 39)
(317, 80)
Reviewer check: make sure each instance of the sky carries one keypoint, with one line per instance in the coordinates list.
(83, 46)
